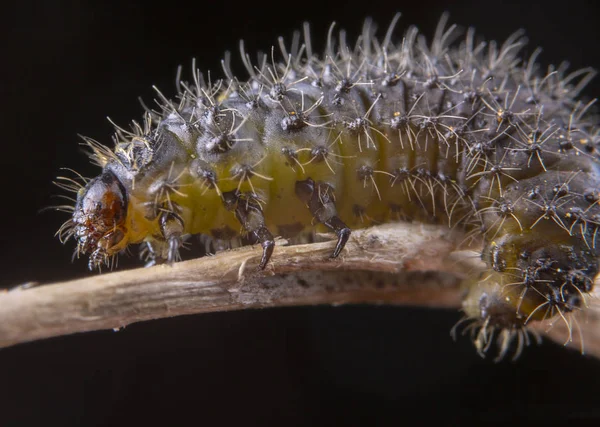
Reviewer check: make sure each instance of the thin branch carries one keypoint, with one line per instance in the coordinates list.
(410, 264)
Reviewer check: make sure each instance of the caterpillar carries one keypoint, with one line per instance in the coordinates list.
(459, 132)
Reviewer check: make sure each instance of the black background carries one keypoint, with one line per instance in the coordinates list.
(64, 68)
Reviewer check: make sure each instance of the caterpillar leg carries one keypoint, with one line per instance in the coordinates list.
(319, 199)
(171, 228)
(250, 215)
(165, 248)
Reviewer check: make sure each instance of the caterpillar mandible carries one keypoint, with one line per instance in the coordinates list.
(456, 132)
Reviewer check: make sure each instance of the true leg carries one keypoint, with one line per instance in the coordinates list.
(250, 215)
(319, 199)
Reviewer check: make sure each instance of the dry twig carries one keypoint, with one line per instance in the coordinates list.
(409, 264)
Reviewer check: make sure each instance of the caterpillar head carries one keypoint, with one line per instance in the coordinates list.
(99, 218)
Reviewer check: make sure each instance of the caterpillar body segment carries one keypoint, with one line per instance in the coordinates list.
(463, 134)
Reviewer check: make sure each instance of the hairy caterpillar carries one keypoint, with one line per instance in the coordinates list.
(464, 134)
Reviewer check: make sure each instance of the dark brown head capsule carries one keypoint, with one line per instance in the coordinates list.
(99, 218)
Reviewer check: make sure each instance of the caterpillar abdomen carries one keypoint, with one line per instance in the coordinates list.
(466, 135)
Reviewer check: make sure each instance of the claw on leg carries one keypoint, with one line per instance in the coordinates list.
(342, 231)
